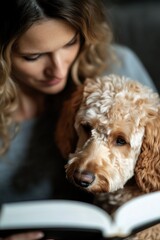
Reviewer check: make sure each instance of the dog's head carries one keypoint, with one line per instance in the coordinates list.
(110, 131)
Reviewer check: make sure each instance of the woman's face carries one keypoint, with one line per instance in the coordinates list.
(43, 55)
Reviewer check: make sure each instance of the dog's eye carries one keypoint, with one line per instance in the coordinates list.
(120, 141)
(87, 128)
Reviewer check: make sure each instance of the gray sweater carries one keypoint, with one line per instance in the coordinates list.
(32, 168)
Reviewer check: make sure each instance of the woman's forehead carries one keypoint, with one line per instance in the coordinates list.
(46, 35)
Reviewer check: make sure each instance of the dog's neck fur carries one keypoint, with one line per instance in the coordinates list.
(111, 201)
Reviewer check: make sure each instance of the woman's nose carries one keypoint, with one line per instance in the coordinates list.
(55, 65)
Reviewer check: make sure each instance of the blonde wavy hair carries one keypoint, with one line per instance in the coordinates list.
(86, 16)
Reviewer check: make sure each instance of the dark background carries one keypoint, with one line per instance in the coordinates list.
(136, 24)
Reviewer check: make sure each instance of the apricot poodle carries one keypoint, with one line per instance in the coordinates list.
(110, 133)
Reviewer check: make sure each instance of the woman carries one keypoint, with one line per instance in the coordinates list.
(47, 47)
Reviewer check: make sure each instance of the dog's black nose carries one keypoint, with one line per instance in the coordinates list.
(83, 179)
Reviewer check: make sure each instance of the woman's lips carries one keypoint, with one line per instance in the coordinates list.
(52, 82)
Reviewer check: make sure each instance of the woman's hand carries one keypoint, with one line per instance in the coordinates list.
(25, 236)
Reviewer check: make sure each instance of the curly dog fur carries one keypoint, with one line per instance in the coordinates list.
(110, 129)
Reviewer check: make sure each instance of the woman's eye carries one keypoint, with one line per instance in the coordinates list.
(73, 42)
(31, 58)
(120, 141)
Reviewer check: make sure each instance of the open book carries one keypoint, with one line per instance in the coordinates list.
(73, 220)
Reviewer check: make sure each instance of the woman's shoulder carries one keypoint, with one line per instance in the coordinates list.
(125, 62)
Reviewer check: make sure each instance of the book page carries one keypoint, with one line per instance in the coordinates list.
(53, 213)
(138, 212)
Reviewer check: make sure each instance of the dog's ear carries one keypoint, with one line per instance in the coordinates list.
(147, 170)
(65, 134)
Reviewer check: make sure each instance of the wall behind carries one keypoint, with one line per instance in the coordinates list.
(136, 24)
